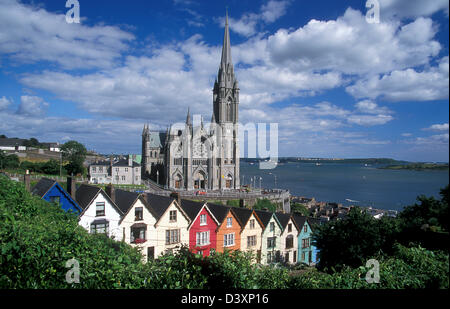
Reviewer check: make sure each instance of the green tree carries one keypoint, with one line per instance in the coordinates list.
(352, 240)
(75, 153)
(299, 209)
(8, 161)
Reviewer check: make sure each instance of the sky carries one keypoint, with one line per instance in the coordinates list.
(339, 81)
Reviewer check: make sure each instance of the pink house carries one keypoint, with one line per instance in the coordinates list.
(203, 227)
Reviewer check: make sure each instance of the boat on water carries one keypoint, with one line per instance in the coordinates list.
(318, 164)
(351, 201)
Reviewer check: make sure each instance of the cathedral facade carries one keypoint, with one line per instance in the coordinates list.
(194, 156)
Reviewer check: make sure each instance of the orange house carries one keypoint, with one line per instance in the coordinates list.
(228, 231)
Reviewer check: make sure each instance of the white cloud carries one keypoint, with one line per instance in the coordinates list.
(29, 34)
(404, 85)
(32, 106)
(247, 24)
(351, 45)
(4, 103)
(438, 127)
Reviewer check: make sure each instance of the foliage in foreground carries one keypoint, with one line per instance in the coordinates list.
(38, 238)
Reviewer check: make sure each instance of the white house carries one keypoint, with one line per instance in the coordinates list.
(138, 222)
(270, 237)
(100, 214)
(288, 238)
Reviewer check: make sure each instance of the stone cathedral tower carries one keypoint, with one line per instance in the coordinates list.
(190, 157)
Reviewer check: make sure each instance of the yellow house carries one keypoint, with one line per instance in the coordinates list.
(171, 223)
(251, 231)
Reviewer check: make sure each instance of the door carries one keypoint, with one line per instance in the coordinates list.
(310, 257)
(295, 257)
(150, 253)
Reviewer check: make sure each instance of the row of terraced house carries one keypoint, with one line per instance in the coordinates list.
(159, 224)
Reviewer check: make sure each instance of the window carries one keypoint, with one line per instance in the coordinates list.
(100, 228)
(251, 241)
(100, 169)
(202, 219)
(203, 238)
(123, 178)
(117, 169)
(137, 169)
(229, 222)
(228, 240)
(137, 178)
(99, 209)
(303, 256)
(305, 228)
(271, 242)
(93, 169)
(272, 226)
(252, 223)
(137, 235)
(289, 227)
(289, 241)
(172, 237)
(173, 216)
(55, 199)
(126, 169)
(117, 177)
(138, 213)
(305, 243)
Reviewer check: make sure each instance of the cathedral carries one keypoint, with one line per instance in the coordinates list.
(197, 156)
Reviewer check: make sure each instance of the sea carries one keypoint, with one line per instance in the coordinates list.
(348, 183)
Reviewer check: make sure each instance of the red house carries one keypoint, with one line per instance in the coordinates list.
(203, 227)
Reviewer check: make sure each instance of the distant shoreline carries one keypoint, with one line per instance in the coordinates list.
(417, 167)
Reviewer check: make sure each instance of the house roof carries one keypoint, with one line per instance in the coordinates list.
(85, 194)
(157, 139)
(283, 219)
(191, 208)
(125, 199)
(43, 186)
(264, 216)
(158, 203)
(124, 162)
(242, 214)
(299, 220)
(219, 211)
(4, 141)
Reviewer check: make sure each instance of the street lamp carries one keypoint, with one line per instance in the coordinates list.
(157, 177)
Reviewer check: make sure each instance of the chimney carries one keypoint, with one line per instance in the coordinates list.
(111, 192)
(26, 181)
(242, 203)
(71, 186)
(130, 160)
(176, 196)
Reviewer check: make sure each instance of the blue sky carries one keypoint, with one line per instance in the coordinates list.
(337, 85)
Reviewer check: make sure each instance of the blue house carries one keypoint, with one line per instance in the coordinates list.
(307, 252)
(51, 191)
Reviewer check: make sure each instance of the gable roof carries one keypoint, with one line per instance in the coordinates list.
(191, 208)
(219, 211)
(86, 194)
(242, 215)
(299, 220)
(43, 186)
(6, 141)
(283, 219)
(158, 203)
(125, 199)
(264, 216)
(124, 162)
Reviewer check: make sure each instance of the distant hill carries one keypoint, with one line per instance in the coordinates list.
(417, 166)
(328, 160)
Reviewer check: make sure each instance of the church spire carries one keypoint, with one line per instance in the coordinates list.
(226, 48)
(188, 118)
